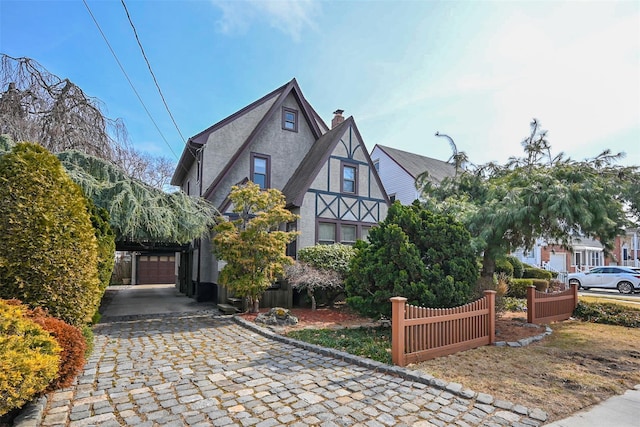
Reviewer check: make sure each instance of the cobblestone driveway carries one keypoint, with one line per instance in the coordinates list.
(203, 369)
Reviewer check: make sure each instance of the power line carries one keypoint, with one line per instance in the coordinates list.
(128, 79)
(155, 81)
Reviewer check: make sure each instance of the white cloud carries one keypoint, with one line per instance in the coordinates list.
(290, 17)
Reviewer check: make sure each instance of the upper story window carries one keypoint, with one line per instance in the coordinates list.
(261, 170)
(289, 119)
(349, 178)
(376, 165)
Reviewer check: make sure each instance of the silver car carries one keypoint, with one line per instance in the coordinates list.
(625, 279)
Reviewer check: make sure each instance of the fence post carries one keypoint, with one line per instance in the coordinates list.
(531, 304)
(491, 302)
(397, 330)
(574, 288)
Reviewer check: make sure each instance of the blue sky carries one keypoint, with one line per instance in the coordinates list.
(478, 71)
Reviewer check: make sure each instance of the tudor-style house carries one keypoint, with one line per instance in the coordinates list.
(398, 171)
(280, 141)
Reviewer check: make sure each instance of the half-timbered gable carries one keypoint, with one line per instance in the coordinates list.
(280, 141)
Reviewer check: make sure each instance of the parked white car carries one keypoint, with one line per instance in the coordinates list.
(625, 279)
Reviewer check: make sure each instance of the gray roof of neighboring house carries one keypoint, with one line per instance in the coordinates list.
(416, 164)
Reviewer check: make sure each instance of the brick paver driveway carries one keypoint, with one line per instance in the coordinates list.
(204, 369)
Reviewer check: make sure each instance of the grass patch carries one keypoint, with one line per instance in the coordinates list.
(580, 364)
(374, 343)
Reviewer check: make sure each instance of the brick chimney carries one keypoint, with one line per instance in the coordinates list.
(337, 118)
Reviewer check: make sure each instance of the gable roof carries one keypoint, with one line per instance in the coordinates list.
(316, 158)
(200, 139)
(415, 164)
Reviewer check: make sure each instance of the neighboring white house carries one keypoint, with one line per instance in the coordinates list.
(398, 171)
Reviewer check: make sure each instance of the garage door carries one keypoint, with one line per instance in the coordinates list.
(156, 269)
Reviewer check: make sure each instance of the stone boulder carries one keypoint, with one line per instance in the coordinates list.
(277, 316)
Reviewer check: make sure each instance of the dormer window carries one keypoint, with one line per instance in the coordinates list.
(289, 119)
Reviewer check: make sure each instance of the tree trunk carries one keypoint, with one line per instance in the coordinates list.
(488, 265)
(255, 305)
(313, 299)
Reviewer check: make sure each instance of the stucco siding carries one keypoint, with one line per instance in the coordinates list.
(223, 143)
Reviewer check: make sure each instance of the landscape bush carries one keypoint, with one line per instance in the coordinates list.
(320, 271)
(106, 244)
(541, 284)
(514, 304)
(414, 253)
(49, 252)
(29, 357)
(71, 341)
(518, 287)
(608, 313)
(503, 265)
(518, 268)
(536, 273)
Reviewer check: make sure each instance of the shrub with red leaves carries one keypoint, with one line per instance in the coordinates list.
(73, 345)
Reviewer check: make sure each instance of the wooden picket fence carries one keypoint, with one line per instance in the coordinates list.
(545, 308)
(419, 333)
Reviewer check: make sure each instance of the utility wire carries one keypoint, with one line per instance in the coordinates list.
(155, 81)
(129, 80)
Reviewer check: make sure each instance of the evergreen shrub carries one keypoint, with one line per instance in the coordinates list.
(518, 287)
(49, 253)
(29, 357)
(504, 266)
(71, 341)
(518, 268)
(414, 253)
(541, 284)
(536, 273)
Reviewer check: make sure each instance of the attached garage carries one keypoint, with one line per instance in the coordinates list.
(155, 269)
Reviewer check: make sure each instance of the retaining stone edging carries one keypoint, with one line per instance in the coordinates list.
(407, 374)
(524, 341)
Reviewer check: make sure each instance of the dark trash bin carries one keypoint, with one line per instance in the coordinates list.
(206, 292)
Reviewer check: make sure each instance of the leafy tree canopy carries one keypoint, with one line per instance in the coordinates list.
(252, 244)
(539, 195)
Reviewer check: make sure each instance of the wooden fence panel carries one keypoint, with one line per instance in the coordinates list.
(420, 333)
(545, 308)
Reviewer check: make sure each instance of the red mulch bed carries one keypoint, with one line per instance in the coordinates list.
(509, 327)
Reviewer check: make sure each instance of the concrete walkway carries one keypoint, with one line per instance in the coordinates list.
(161, 359)
(618, 411)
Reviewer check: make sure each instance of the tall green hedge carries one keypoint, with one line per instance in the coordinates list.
(49, 251)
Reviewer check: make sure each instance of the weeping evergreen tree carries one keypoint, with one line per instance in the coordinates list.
(139, 212)
(538, 195)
